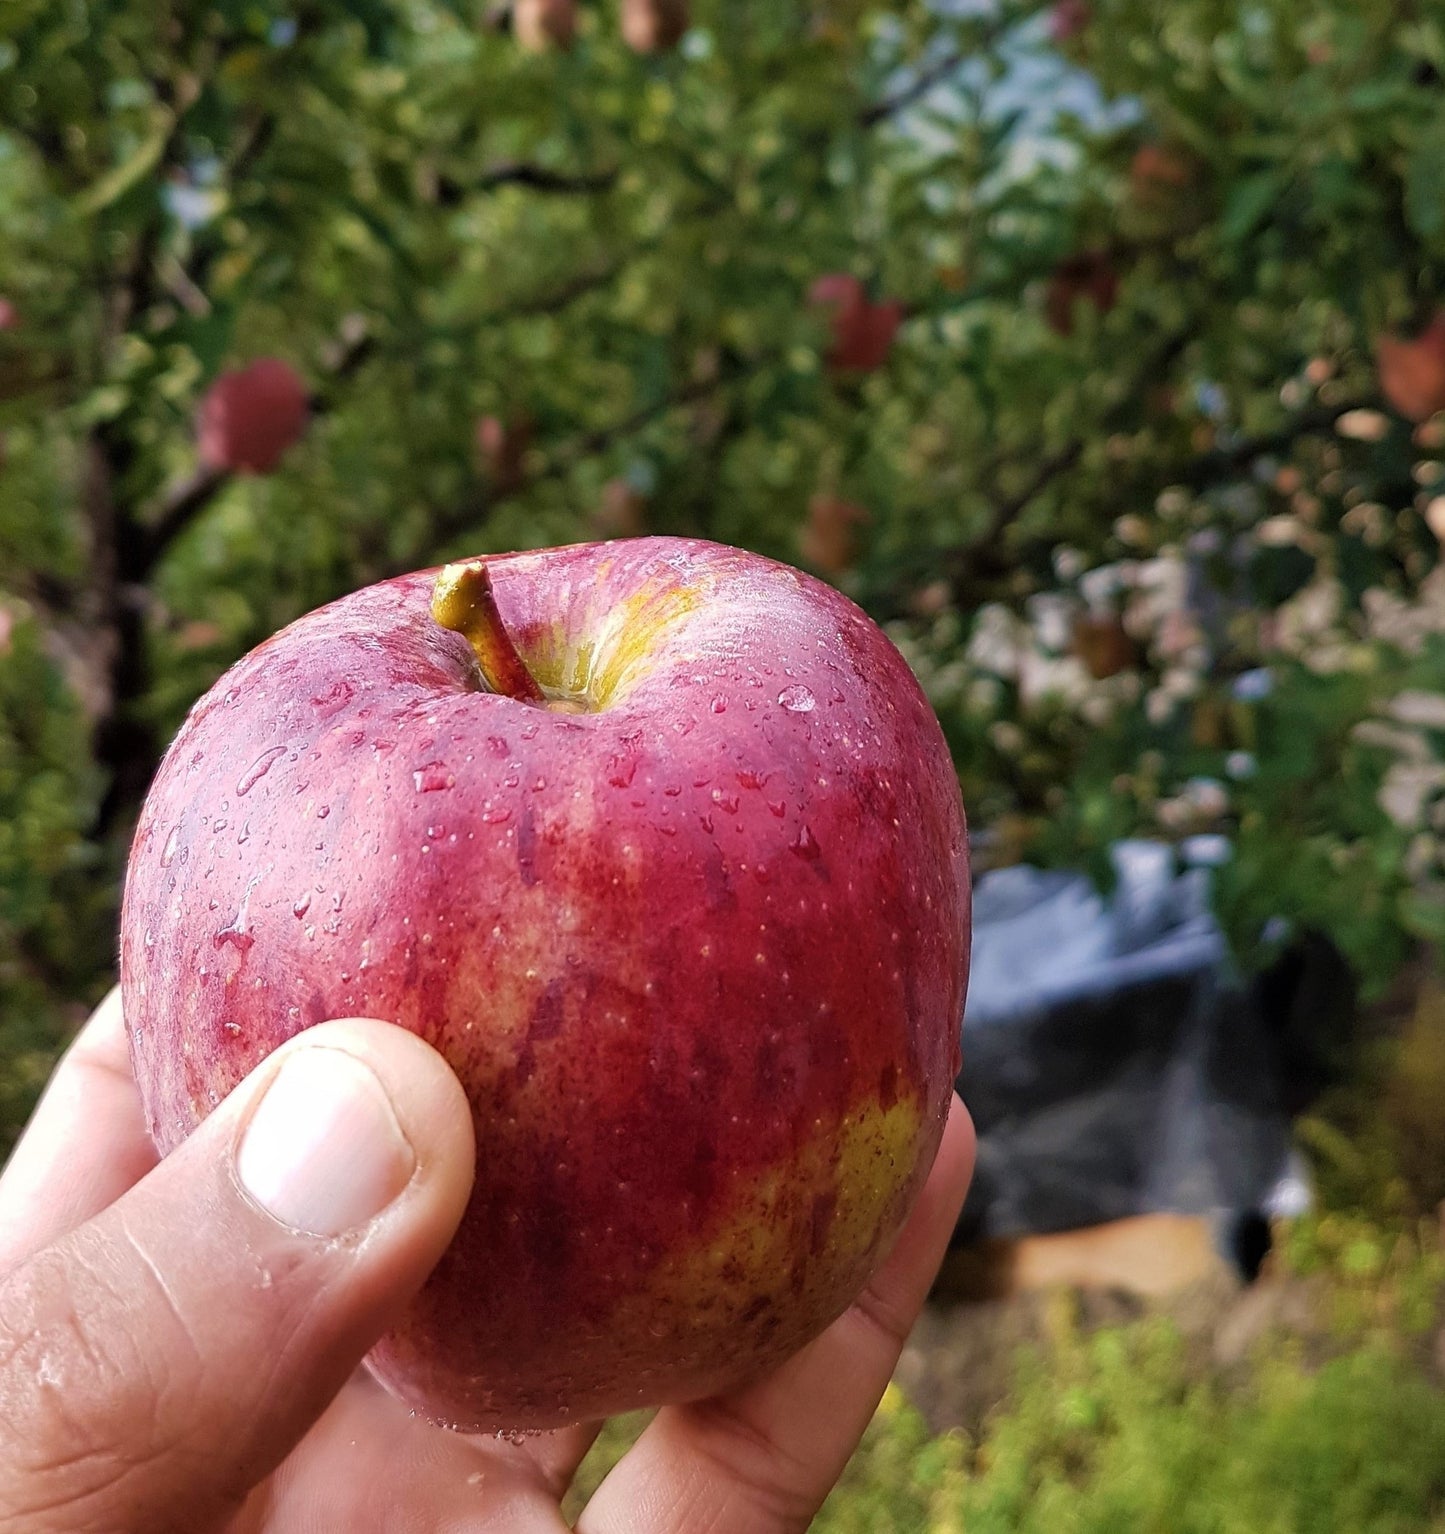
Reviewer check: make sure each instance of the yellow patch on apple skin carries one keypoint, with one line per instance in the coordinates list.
(592, 657)
(797, 1241)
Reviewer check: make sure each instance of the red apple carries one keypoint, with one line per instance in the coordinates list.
(621, 510)
(1104, 646)
(1412, 372)
(863, 332)
(828, 540)
(251, 418)
(663, 849)
(1089, 276)
(502, 447)
(1158, 174)
(539, 25)
(9, 314)
(654, 26)
(1068, 18)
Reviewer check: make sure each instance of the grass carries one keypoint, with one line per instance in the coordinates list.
(1134, 1428)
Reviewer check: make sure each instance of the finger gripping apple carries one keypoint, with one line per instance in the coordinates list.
(660, 845)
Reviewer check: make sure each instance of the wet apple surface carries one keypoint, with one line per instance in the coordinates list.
(694, 941)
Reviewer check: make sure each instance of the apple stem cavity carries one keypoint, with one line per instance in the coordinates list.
(463, 601)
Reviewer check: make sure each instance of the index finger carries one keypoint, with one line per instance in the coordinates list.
(85, 1145)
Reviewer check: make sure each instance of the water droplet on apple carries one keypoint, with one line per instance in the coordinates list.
(302, 906)
(496, 815)
(529, 731)
(706, 821)
(323, 811)
(232, 1028)
(432, 778)
(725, 801)
(172, 842)
(719, 705)
(236, 938)
(673, 791)
(497, 746)
(805, 844)
(220, 825)
(748, 778)
(245, 835)
(778, 808)
(797, 699)
(258, 769)
(150, 938)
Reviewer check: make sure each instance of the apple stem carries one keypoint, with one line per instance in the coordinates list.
(463, 601)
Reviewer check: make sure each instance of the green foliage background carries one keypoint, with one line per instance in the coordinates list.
(613, 255)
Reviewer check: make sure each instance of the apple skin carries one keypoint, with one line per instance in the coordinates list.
(698, 958)
(252, 417)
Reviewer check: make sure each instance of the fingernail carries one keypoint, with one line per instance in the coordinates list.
(323, 1152)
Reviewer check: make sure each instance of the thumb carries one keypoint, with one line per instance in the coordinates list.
(159, 1361)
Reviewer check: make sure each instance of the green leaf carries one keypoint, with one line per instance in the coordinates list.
(117, 182)
(1425, 182)
(1248, 203)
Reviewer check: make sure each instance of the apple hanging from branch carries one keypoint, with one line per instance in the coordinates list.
(660, 844)
(1412, 370)
(863, 332)
(1090, 277)
(655, 26)
(828, 540)
(251, 418)
(542, 25)
(1068, 19)
(502, 446)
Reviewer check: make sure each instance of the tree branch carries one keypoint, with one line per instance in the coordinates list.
(536, 178)
(475, 514)
(915, 90)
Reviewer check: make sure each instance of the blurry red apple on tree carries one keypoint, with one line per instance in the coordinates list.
(1158, 173)
(621, 510)
(661, 845)
(250, 418)
(654, 26)
(863, 332)
(539, 25)
(1103, 644)
(1089, 277)
(1412, 371)
(1068, 18)
(828, 540)
(9, 314)
(502, 447)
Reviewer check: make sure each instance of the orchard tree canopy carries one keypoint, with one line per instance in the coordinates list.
(1094, 347)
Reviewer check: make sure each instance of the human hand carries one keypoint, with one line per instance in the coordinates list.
(180, 1343)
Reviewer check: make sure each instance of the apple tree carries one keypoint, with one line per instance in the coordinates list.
(1096, 349)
